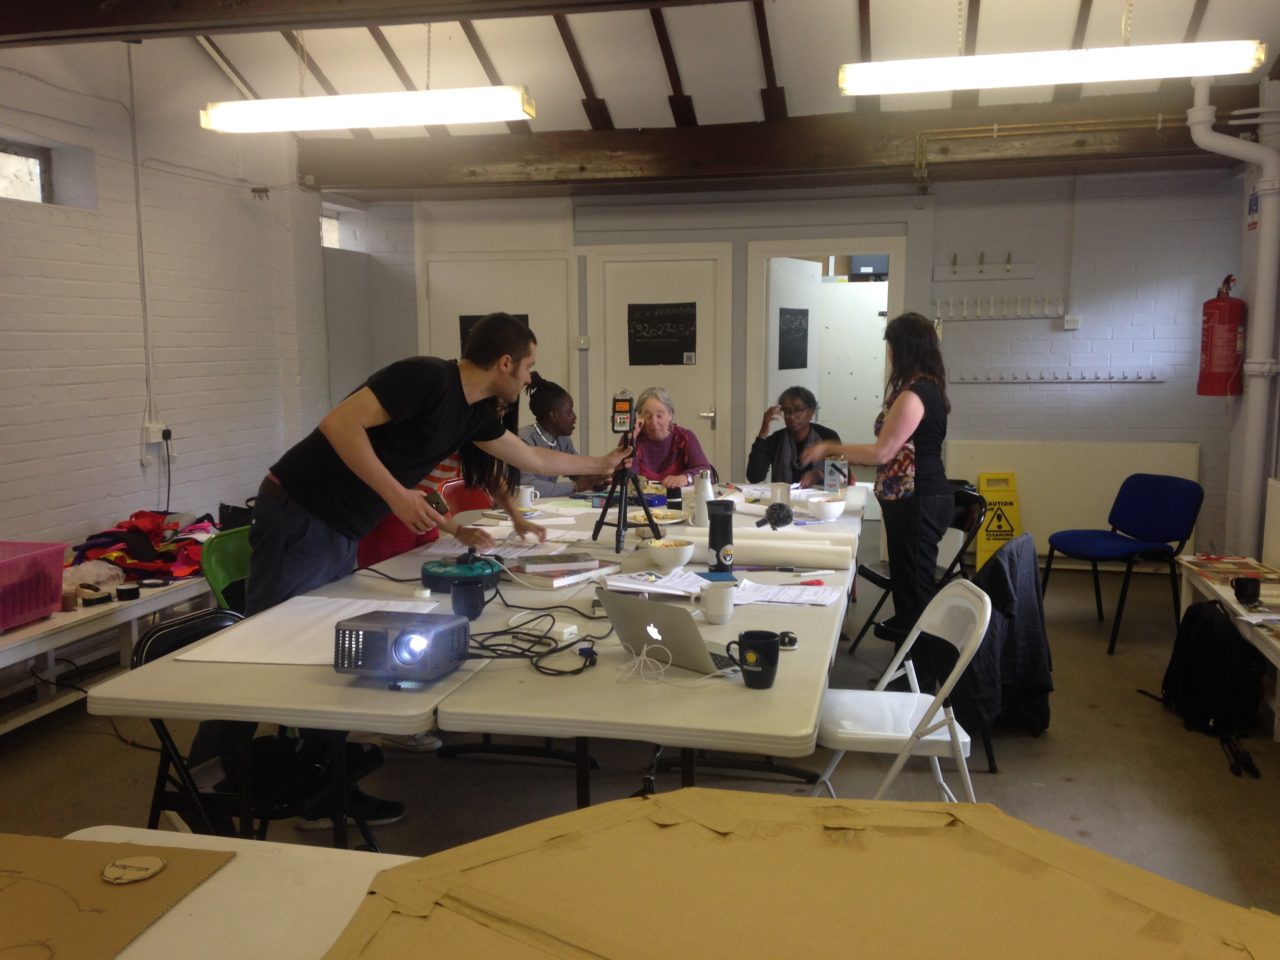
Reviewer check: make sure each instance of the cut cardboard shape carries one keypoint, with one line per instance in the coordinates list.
(53, 895)
(703, 873)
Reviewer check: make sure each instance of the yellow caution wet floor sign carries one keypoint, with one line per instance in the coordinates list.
(1002, 522)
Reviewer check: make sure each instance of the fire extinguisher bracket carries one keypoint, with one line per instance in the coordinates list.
(1261, 368)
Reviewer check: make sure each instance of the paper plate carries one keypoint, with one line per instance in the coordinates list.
(660, 515)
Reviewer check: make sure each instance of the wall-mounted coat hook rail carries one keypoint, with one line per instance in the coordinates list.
(1051, 377)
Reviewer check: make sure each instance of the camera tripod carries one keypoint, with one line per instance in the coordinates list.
(623, 476)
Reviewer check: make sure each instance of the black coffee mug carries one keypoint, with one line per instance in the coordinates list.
(467, 597)
(1248, 590)
(757, 657)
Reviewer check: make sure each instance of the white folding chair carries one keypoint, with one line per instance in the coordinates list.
(904, 723)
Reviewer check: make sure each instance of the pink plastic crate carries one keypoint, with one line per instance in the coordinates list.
(30, 581)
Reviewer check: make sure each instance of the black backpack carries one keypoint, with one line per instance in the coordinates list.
(1214, 680)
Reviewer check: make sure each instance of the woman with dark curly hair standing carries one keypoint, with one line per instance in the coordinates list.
(916, 499)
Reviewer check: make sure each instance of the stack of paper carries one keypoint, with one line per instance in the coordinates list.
(678, 583)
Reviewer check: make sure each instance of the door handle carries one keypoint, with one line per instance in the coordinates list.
(709, 415)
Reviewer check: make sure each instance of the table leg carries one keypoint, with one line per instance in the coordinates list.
(582, 751)
(244, 763)
(340, 791)
(688, 766)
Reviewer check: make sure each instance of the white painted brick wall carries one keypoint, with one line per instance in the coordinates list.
(232, 314)
(1146, 251)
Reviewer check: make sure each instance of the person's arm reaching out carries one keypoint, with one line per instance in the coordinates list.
(346, 428)
(899, 424)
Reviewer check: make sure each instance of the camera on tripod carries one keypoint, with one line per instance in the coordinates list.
(624, 416)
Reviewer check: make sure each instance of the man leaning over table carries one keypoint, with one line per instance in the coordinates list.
(366, 458)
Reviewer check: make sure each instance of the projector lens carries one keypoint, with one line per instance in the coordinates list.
(409, 648)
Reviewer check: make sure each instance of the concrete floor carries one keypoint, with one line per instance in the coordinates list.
(1115, 771)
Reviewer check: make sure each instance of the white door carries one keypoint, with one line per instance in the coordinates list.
(671, 306)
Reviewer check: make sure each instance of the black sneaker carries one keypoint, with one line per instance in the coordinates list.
(376, 812)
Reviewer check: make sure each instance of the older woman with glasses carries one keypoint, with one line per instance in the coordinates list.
(777, 454)
(665, 453)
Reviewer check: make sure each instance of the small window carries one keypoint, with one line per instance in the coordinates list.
(329, 230)
(26, 172)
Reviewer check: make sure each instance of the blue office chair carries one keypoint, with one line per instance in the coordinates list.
(1151, 519)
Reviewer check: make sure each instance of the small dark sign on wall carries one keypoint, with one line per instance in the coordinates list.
(662, 334)
(467, 321)
(793, 338)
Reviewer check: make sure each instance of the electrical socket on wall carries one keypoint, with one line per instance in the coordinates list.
(1071, 322)
(153, 432)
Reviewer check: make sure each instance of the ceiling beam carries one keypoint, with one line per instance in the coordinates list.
(596, 109)
(28, 23)
(406, 81)
(964, 99)
(681, 103)
(773, 97)
(1192, 31)
(1070, 92)
(300, 50)
(841, 148)
(865, 104)
(486, 64)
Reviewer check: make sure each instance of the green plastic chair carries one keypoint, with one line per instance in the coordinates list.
(226, 566)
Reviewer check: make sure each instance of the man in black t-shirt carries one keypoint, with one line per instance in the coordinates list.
(369, 452)
(366, 458)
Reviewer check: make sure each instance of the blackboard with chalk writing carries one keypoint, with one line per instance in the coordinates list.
(467, 322)
(793, 338)
(662, 334)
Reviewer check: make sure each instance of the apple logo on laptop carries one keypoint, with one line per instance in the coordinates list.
(653, 633)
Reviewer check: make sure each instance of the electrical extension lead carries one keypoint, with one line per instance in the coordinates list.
(560, 632)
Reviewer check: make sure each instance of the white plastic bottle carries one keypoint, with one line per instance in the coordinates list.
(702, 492)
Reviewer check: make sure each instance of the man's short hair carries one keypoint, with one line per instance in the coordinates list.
(497, 335)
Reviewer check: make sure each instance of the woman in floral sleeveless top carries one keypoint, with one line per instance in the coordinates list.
(916, 499)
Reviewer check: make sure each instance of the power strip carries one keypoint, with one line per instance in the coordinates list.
(560, 632)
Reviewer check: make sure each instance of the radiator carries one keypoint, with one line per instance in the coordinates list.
(1068, 484)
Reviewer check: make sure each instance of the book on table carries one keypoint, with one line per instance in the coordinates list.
(568, 560)
(549, 577)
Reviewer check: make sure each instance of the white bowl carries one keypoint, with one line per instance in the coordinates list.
(825, 508)
(668, 554)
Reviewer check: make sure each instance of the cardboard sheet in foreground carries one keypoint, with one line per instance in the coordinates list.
(54, 902)
(711, 873)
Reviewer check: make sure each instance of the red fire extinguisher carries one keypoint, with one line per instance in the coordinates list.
(1222, 344)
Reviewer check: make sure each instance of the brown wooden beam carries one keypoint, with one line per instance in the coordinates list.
(964, 99)
(317, 74)
(1070, 92)
(681, 104)
(515, 126)
(596, 109)
(773, 97)
(799, 151)
(388, 52)
(1192, 31)
(32, 22)
(865, 104)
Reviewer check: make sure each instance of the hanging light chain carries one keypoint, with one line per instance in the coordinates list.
(428, 86)
(960, 11)
(1126, 22)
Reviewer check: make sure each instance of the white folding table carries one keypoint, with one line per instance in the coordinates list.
(278, 900)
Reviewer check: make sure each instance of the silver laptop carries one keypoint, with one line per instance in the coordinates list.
(641, 622)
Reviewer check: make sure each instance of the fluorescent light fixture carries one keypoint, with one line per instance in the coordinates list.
(1046, 67)
(409, 108)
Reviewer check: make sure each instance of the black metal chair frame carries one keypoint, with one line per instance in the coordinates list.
(175, 787)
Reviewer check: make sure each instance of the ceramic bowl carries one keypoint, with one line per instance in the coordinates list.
(668, 554)
(825, 508)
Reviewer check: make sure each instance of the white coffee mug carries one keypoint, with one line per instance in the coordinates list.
(780, 492)
(716, 601)
(526, 496)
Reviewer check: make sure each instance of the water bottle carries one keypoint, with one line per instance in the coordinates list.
(835, 475)
(720, 536)
(702, 495)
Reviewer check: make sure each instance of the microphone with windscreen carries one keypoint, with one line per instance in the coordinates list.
(777, 515)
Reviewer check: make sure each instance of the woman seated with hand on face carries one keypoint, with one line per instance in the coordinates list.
(665, 453)
(777, 454)
(554, 421)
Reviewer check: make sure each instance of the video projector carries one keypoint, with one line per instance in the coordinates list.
(401, 647)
